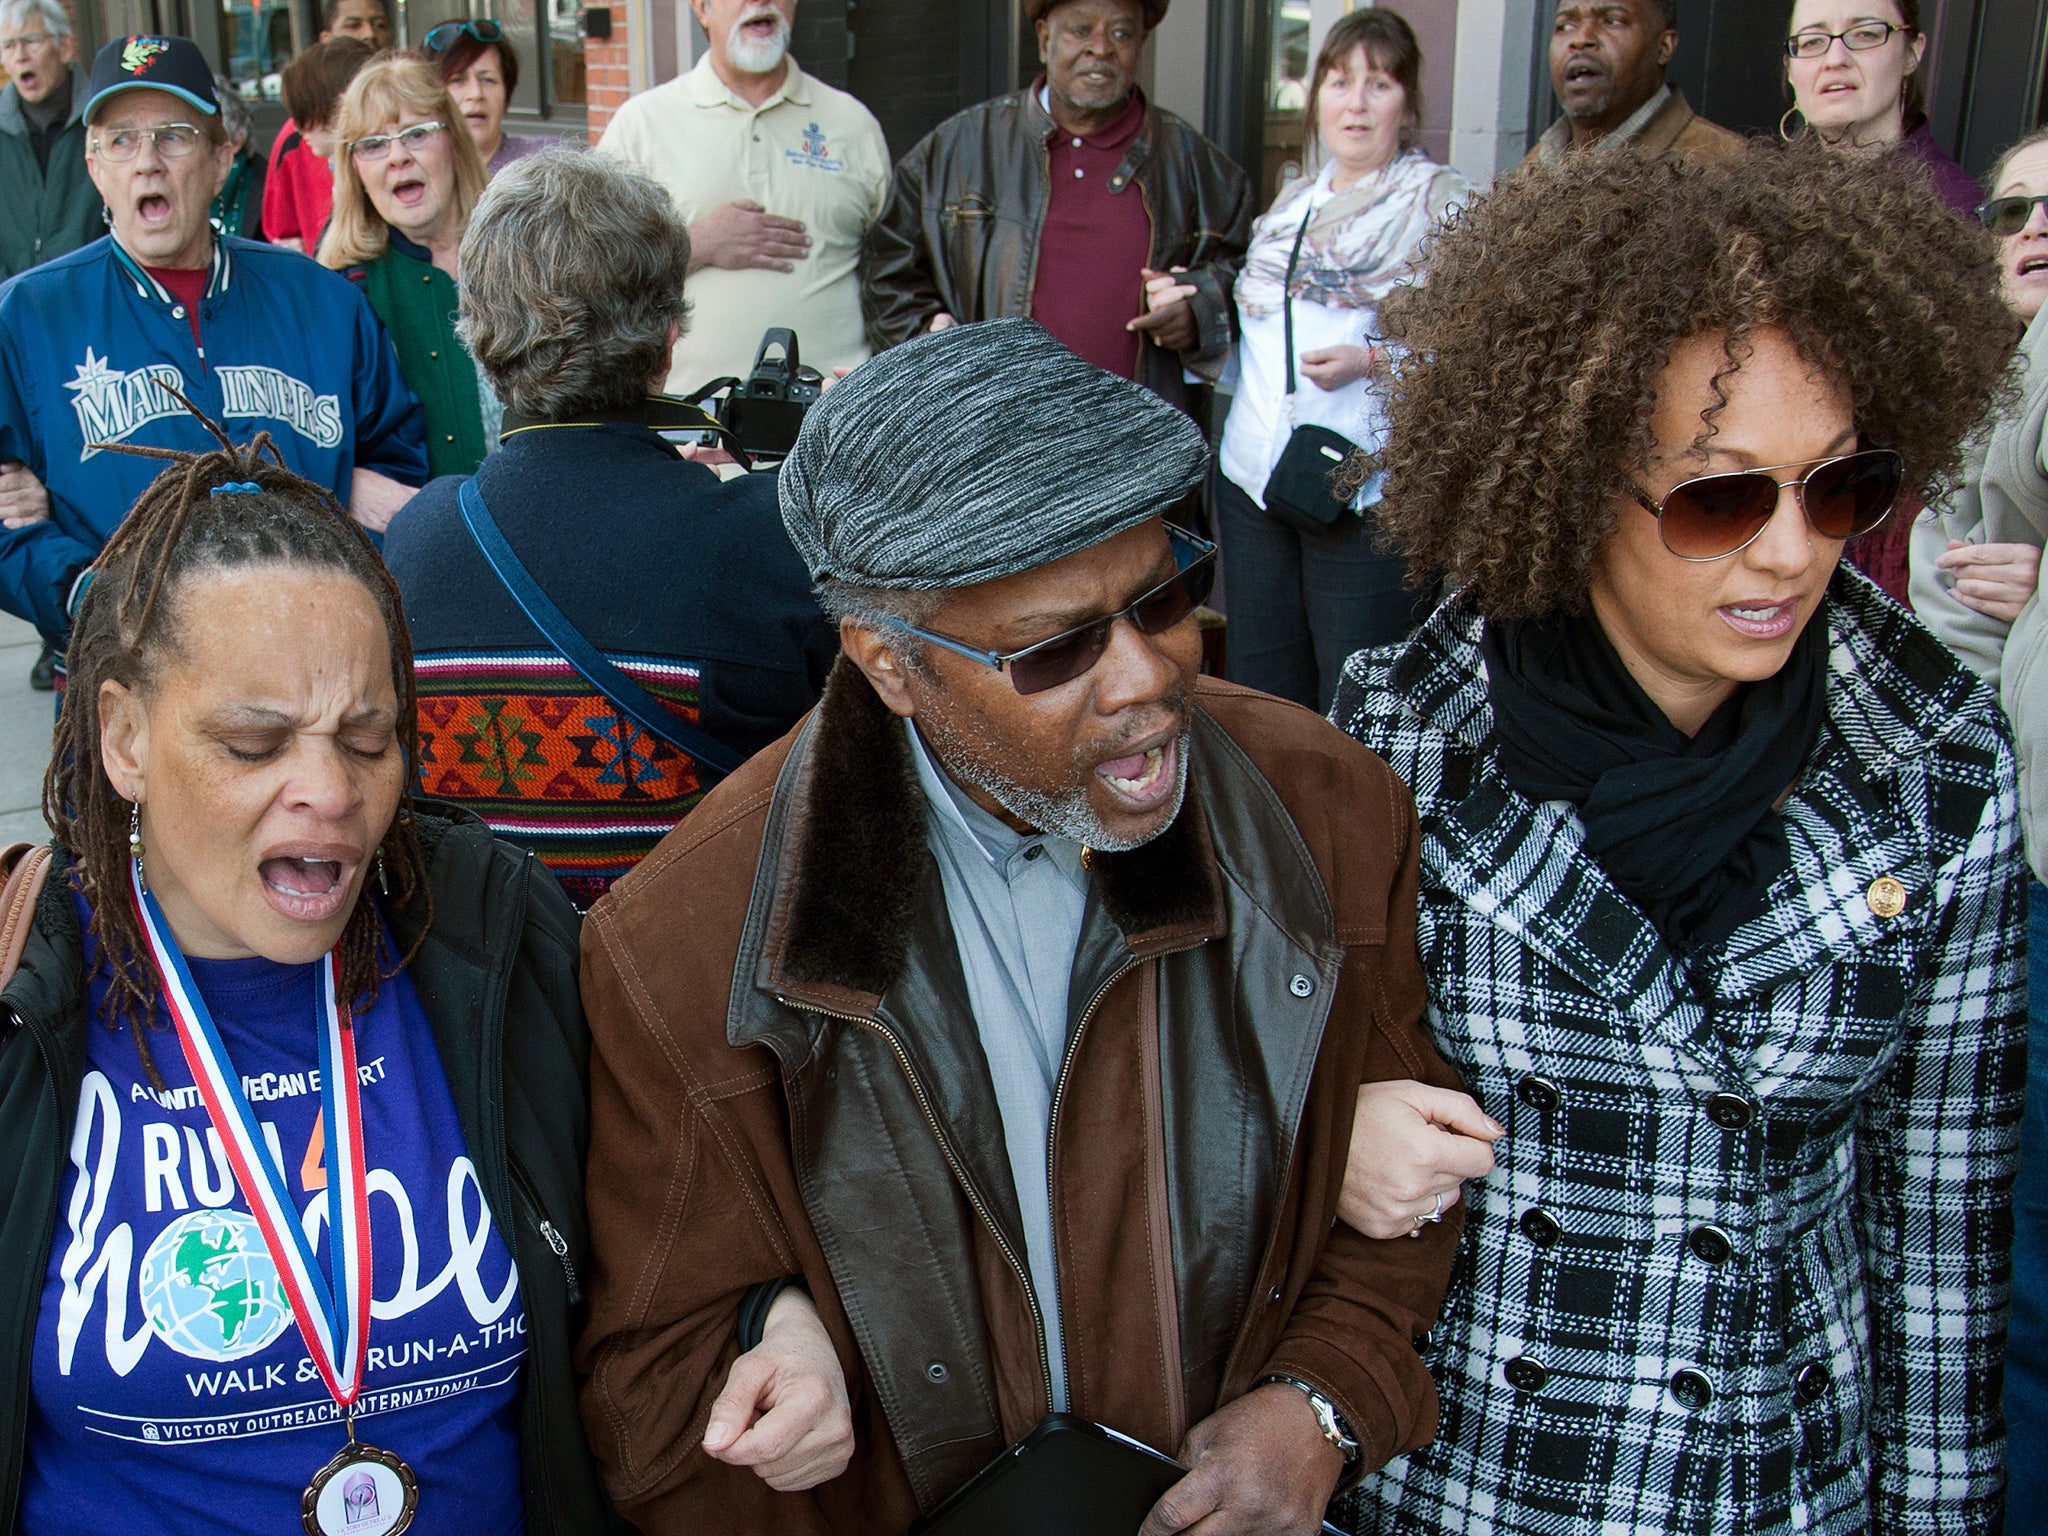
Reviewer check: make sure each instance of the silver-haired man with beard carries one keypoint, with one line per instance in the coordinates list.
(778, 176)
(986, 1049)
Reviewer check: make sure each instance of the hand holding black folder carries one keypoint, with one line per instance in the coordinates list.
(1068, 1477)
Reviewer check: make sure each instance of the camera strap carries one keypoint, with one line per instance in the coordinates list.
(657, 413)
(631, 700)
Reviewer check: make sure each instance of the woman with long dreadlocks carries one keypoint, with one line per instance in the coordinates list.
(291, 1073)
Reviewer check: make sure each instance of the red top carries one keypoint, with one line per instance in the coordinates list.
(188, 287)
(298, 194)
(1095, 245)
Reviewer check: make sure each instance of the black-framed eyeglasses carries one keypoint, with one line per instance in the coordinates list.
(375, 146)
(1861, 38)
(1712, 517)
(2009, 215)
(440, 39)
(1070, 653)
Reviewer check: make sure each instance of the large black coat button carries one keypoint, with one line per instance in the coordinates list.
(1526, 1375)
(1539, 1093)
(1711, 1245)
(1541, 1228)
(1692, 1389)
(1812, 1382)
(1730, 1111)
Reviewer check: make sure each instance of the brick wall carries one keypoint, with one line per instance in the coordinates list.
(608, 82)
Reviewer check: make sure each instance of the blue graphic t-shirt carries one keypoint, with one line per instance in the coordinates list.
(171, 1388)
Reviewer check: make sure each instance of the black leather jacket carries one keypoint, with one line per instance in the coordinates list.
(497, 977)
(961, 230)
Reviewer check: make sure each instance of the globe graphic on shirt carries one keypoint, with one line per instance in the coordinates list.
(209, 1287)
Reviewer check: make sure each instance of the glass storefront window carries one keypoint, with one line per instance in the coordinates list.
(546, 34)
(1287, 75)
(1286, 93)
(257, 41)
(256, 44)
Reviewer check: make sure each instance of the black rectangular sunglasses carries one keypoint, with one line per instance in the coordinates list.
(1065, 656)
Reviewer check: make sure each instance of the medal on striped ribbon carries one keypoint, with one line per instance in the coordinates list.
(372, 1492)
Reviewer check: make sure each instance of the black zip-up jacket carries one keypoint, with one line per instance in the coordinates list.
(497, 976)
(967, 208)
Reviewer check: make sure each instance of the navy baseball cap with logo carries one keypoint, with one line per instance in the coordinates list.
(155, 63)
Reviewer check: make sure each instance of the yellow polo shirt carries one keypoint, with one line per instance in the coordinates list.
(808, 152)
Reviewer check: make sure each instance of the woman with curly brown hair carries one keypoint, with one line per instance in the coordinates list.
(1722, 890)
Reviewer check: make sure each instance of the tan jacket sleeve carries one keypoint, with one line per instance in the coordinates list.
(682, 1224)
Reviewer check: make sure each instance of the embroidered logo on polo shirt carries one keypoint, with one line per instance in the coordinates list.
(815, 152)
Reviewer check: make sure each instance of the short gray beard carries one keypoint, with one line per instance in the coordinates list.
(1070, 815)
(750, 57)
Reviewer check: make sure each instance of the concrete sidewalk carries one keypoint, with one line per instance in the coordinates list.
(26, 721)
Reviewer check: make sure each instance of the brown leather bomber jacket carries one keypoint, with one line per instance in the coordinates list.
(961, 229)
(786, 1078)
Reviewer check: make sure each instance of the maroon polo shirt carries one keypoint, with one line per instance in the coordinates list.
(1095, 244)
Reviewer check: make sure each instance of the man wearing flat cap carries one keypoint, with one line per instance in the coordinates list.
(1067, 201)
(987, 1048)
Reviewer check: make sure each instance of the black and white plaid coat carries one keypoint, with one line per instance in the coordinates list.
(1744, 1263)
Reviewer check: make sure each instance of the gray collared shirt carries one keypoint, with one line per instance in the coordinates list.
(1557, 138)
(1016, 904)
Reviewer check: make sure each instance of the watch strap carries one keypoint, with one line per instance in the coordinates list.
(1335, 1427)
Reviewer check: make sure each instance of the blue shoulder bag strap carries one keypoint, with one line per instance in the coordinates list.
(632, 700)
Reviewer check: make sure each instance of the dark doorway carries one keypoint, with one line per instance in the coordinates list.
(913, 62)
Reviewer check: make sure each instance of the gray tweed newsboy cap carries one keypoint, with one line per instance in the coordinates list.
(975, 453)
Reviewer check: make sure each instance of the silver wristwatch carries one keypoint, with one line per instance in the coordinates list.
(1328, 1419)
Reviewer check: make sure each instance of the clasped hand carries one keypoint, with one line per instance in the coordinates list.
(1994, 579)
(784, 1410)
(1169, 317)
(23, 498)
(1412, 1146)
(1258, 1466)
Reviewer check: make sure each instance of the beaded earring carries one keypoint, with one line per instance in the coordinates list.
(135, 839)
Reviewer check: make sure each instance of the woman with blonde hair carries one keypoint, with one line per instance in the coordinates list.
(407, 175)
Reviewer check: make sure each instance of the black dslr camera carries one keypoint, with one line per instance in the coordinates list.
(765, 410)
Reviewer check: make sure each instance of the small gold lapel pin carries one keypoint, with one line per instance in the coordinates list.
(1886, 896)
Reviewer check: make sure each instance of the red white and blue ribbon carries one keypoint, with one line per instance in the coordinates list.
(332, 1309)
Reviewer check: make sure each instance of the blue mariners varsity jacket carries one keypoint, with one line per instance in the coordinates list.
(85, 342)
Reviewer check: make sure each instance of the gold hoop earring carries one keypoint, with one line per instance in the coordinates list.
(1788, 134)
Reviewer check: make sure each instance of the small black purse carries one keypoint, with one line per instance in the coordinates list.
(1301, 491)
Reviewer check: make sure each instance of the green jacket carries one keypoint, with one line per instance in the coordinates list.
(45, 214)
(497, 976)
(238, 206)
(416, 300)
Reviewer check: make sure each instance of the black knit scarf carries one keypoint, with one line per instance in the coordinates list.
(1686, 827)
